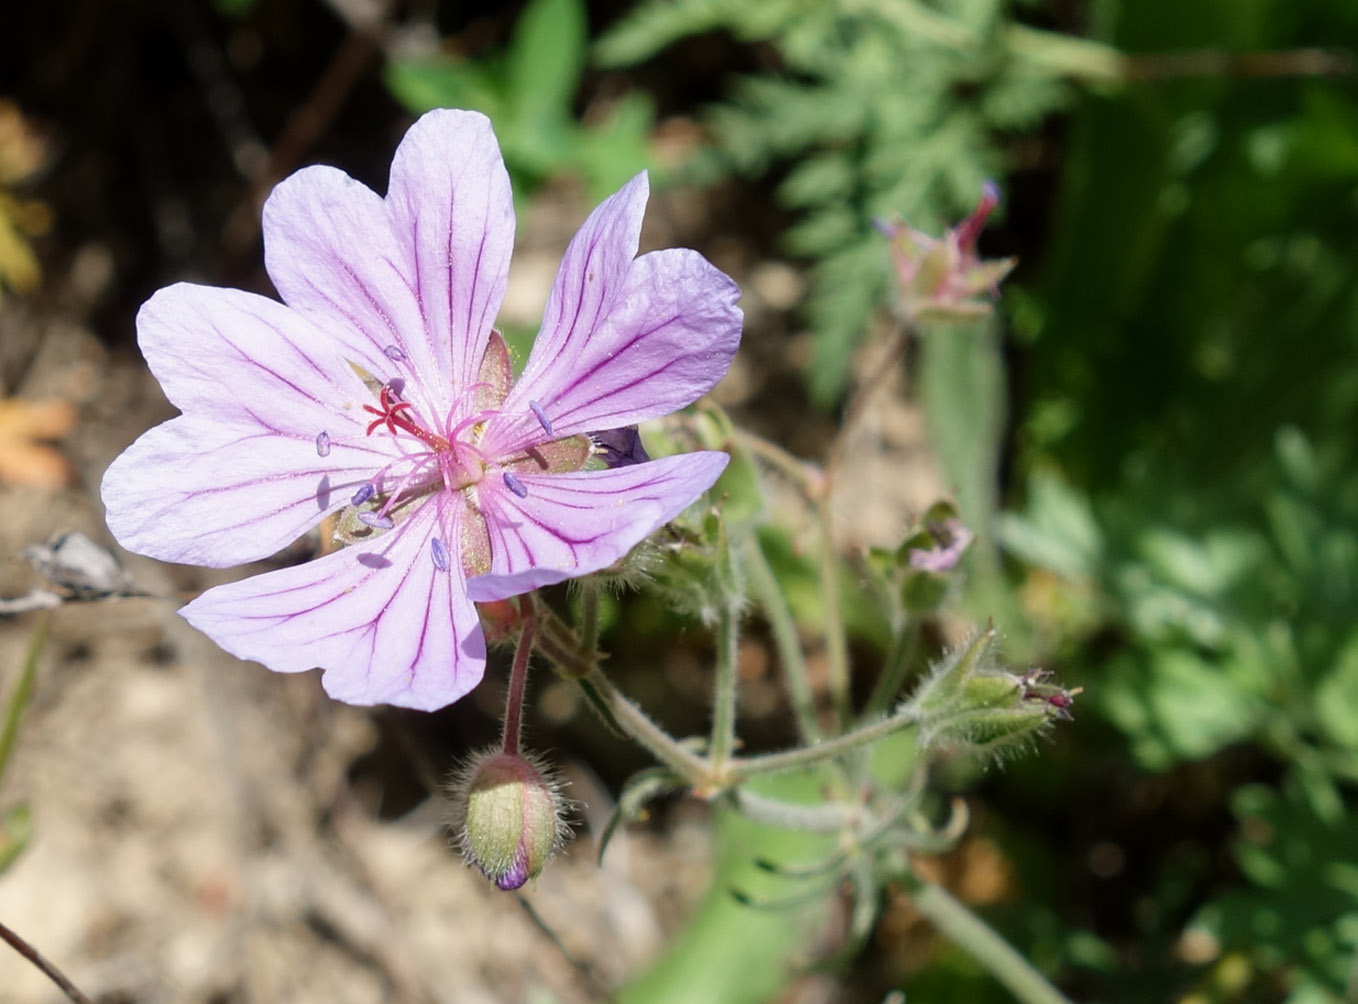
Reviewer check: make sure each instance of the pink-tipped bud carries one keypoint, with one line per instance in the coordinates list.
(508, 816)
(943, 278)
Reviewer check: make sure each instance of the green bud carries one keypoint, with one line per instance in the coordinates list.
(969, 700)
(507, 815)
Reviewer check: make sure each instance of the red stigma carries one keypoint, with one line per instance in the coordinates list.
(393, 415)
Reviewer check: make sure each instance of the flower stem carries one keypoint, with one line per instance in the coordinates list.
(518, 679)
(784, 627)
(589, 620)
(979, 940)
(54, 974)
(836, 640)
(898, 661)
(724, 703)
(694, 769)
(742, 769)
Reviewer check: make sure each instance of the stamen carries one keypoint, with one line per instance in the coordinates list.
(375, 521)
(439, 553)
(515, 485)
(394, 353)
(364, 493)
(542, 417)
(323, 444)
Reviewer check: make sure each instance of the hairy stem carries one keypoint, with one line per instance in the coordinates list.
(724, 705)
(518, 681)
(836, 638)
(695, 770)
(742, 769)
(898, 660)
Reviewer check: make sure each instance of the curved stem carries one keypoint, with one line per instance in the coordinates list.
(694, 769)
(518, 681)
(979, 940)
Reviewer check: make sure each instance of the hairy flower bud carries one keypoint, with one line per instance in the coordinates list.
(507, 816)
(971, 701)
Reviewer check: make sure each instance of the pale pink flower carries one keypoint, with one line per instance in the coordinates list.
(378, 390)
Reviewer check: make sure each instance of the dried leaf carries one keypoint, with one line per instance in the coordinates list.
(24, 458)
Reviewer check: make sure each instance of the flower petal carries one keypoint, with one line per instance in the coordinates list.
(203, 493)
(330, 250)
(386, 624)
(573, 524)
(623, 339)
(247, 361)
(453, 217)
(241, 473)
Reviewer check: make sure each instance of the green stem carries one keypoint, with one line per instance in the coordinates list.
(724, 703)
(19, 699)
(894, 670)
(695, 770)
(836, 640)
(589, 620)
(742, 769)
(979, 940)
(773, 602)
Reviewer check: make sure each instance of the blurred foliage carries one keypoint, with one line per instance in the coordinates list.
(875, 108)
(529, 92)
(1299, 921)
(22, 154)
(1188, 451)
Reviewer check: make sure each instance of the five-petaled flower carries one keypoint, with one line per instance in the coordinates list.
(379, 390)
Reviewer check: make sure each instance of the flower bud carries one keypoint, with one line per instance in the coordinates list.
(507, 815)
(971, 701)
(943, 279)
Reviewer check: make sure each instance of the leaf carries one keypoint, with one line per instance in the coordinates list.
(642, 787)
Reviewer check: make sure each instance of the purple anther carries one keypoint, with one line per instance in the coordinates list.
(397, 386)
(375, 521)
(439, 553)
(542, 417)
(516, 486)
(620, 447)
(323, 444)
(394, 353)
(364, 493)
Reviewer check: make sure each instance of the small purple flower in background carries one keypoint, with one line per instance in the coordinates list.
(379, 390)
(951, 540)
